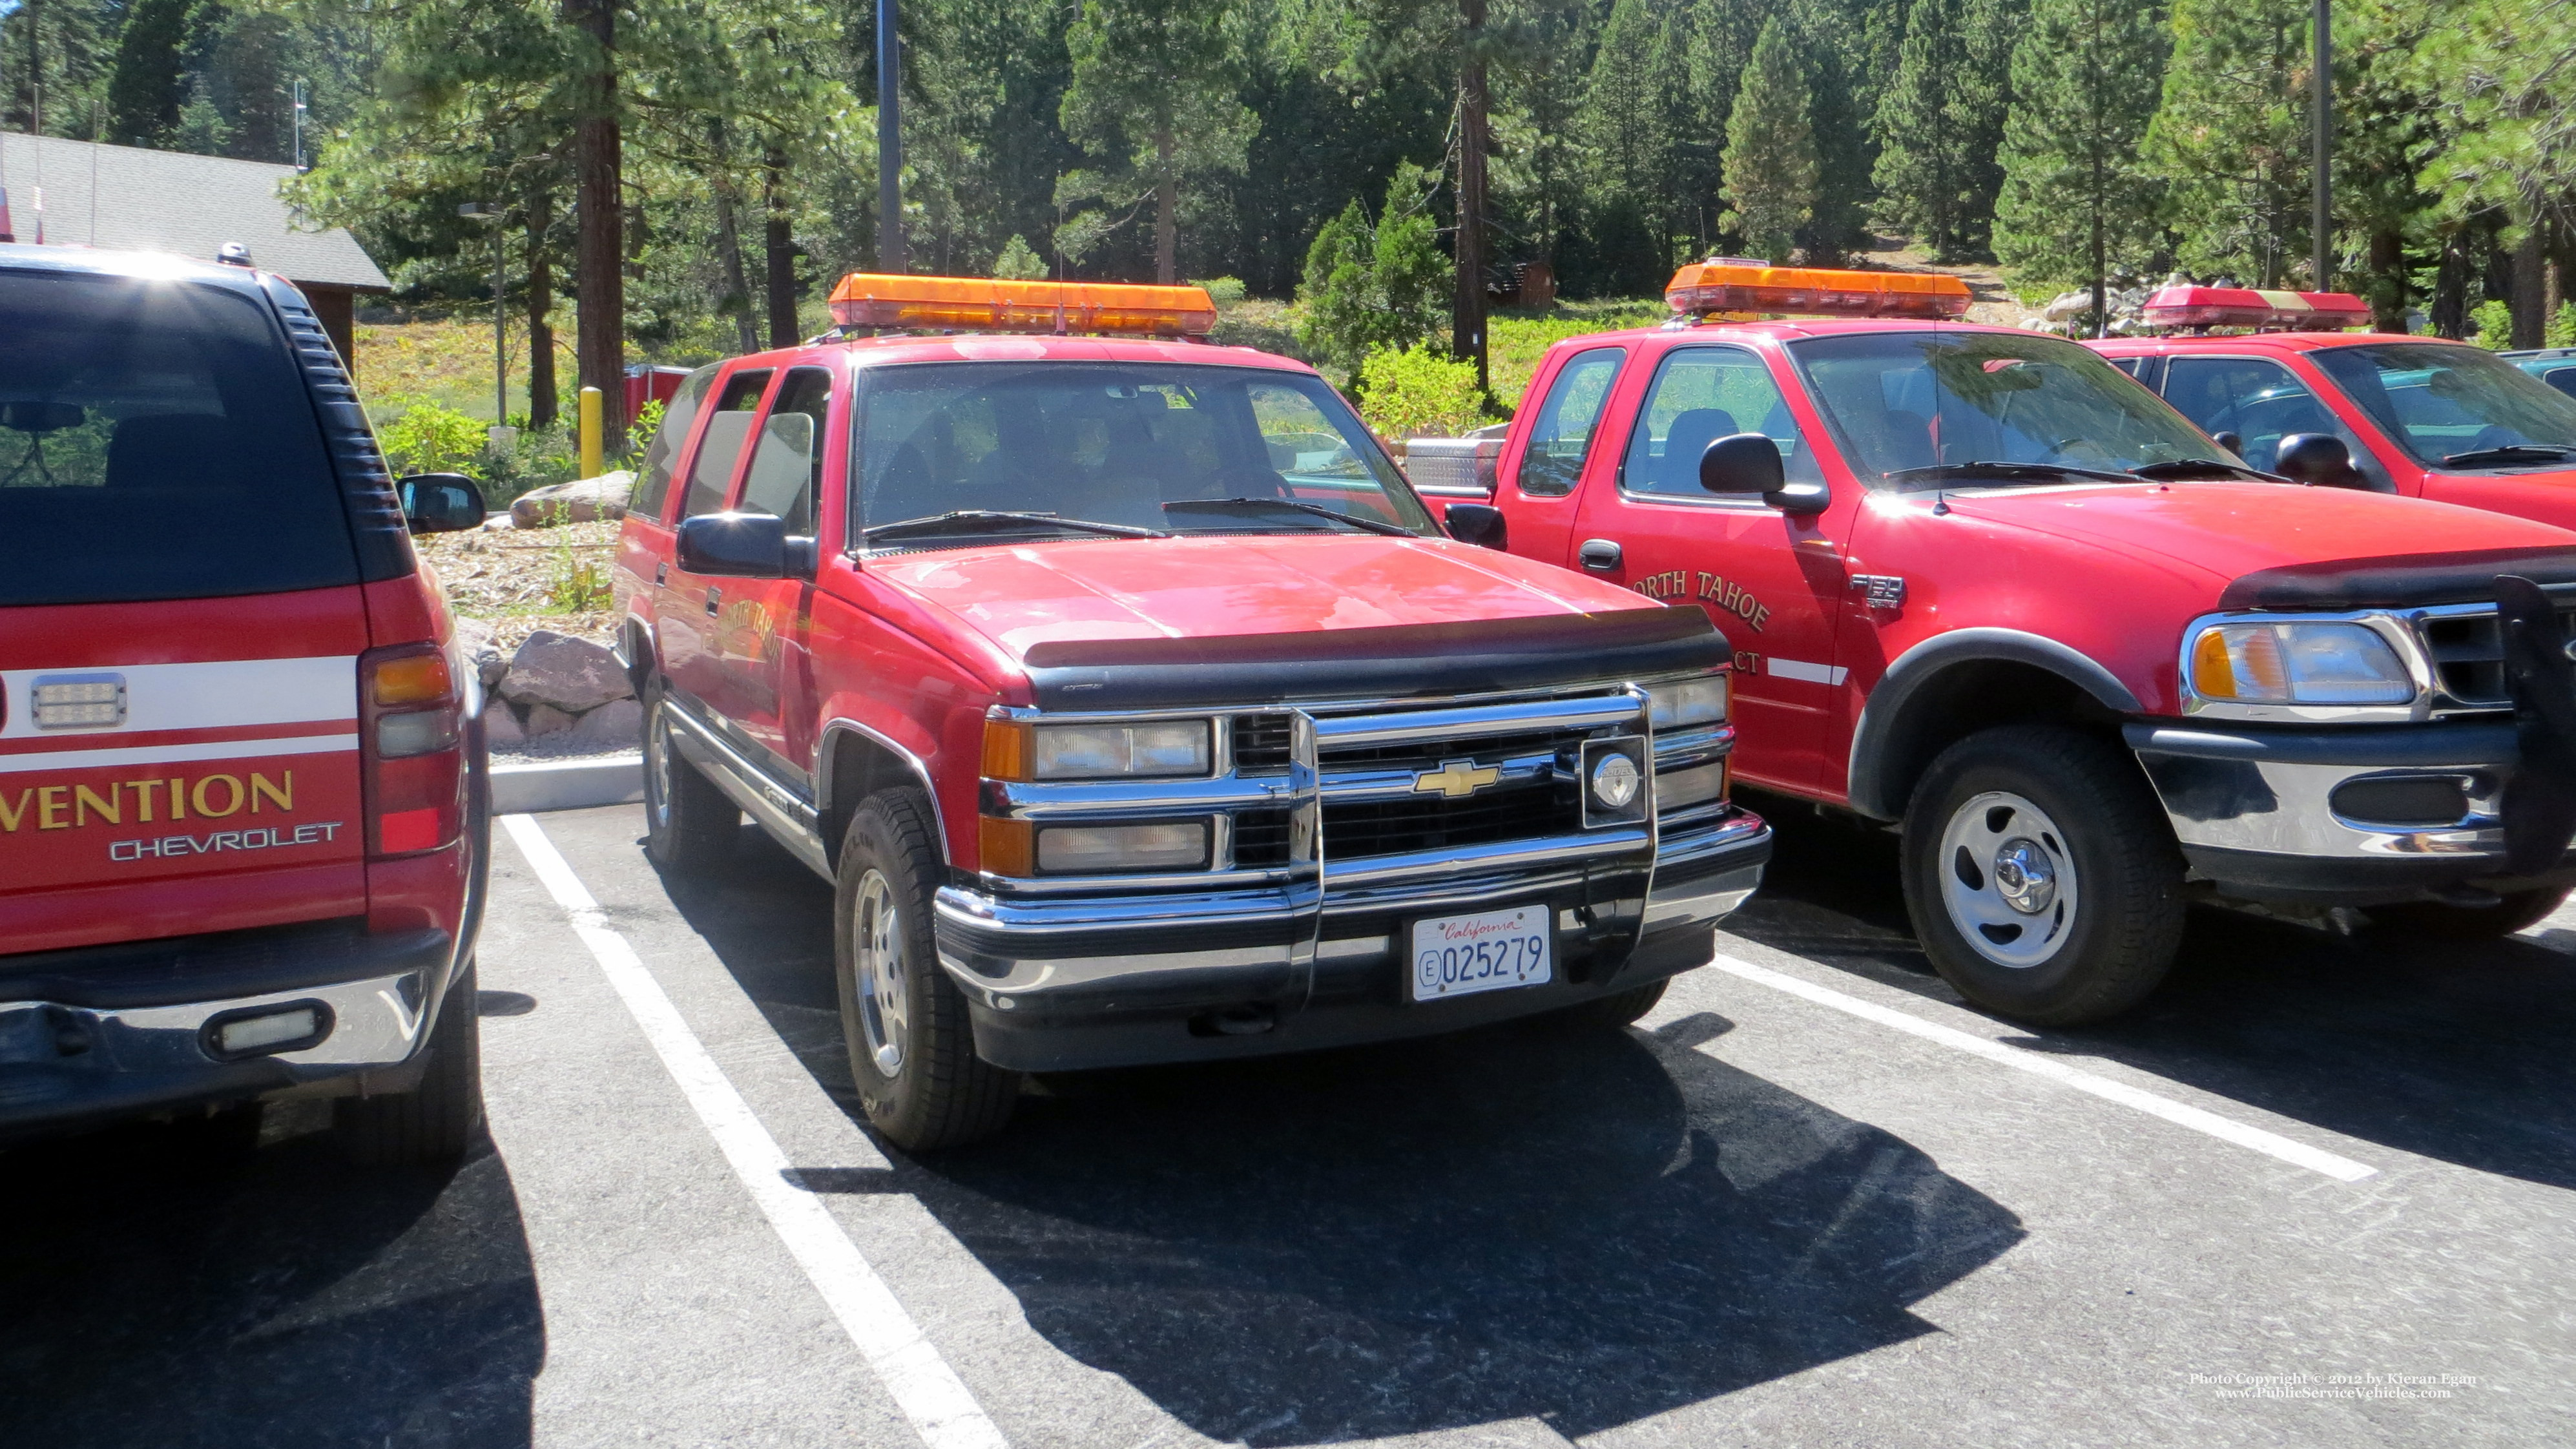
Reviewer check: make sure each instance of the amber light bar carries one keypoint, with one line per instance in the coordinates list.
(985, 304)
(2248, 307)
(1751, 288)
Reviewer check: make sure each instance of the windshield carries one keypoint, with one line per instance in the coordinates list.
(1011, 447)
(156, 442)
(1902, 401)
(2443, 400)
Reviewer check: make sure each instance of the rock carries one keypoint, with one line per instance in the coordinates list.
(616, 725)
(581, 501)
(572, 675)
(474, 641)
(545, 719)
(501, 728)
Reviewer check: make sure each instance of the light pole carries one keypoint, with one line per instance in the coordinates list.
(890, 256)
(491, 214)
(2322, 225)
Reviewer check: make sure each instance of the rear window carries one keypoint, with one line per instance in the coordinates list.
(156, 442)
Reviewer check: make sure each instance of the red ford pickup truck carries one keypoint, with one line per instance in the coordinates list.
(1138, 709)
(1980, 583)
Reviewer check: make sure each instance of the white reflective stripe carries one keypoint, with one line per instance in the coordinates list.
(170, 754)
(219, 694)
(1801, 669)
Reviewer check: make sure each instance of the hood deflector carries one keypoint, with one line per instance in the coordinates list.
(2403, 581)
(1393, 662)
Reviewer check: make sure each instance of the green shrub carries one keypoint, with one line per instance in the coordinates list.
(1020, 262)
(2494, 320)
(1416, 392)
(2562, 328)
(428, 438)
(1224, 291)
(1370, 285)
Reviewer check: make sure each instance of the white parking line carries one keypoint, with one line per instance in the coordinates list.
(2271, 1144)
(919, 1380)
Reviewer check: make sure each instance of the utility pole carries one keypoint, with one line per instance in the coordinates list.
(2321, 226)
(1467, 315)
(490, 214)
(599, 278)
(299, 126)
(890, 256)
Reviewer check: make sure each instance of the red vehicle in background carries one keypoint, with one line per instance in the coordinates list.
(1979, 583)
(2287, 387)
(243, 805)
(1139, 712)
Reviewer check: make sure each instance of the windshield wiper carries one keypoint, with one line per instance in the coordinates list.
(996, 520)
(2180, 468)
(1228, 505)
(2007, 472)
(2509, 453)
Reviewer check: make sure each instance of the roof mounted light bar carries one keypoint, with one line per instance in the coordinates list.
(984, 304)
(2195, 306)
(1737, 289)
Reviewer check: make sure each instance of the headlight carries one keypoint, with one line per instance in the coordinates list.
(2309, 662)
(1688, 702)
(1016, 751)
(1093, 849)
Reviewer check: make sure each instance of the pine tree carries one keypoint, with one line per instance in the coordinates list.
(1019, 261)
(2076, 199)
(1771, 148)
(2232, 133)
(1940, 121)
(1150, 92)
(150, 82)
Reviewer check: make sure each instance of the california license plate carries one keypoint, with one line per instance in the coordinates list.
(1462, 955)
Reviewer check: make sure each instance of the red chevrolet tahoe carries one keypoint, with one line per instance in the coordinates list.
(1980, 583)
(1138, 709)
(242, 802)
(2417, 416)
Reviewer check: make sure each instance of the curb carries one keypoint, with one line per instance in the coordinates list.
(538, 785)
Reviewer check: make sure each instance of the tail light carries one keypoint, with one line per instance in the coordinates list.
(411, 727)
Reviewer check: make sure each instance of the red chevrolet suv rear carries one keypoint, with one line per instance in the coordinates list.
(242, 804)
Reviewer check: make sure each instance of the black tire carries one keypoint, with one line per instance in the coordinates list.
(689, 824)
(434, 1122)
(1617, 1010)
(2085, 952)
(930, 1090)
(2516, 911)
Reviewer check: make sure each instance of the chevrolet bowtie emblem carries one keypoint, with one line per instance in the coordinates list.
(1456, 779)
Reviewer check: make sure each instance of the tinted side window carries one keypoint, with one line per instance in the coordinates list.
(1702, 394)
(720, 448)
(654, 488)
(787, 467)
(2258, 400)
(157, 442)
(1566, 421)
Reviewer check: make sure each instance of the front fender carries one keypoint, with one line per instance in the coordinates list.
(1893, 711)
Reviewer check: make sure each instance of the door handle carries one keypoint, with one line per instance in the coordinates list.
(715, 601)
(1599, 553)
(661, 573)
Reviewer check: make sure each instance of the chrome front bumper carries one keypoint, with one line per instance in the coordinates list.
(2272, 813)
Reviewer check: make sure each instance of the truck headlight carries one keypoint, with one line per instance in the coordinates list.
(1686, 703)
(1097, 849)
(2300, 662)
(1016, 750)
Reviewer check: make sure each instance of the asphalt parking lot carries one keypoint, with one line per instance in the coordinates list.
(2317, 1192)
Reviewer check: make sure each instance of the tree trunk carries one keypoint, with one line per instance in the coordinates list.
(599, 285)
(2530, 263)
(2388, 277)
(542, 404)
(1467, 315)
(1167, 205)
(2450, 310)
(737, 285)
(781, 249)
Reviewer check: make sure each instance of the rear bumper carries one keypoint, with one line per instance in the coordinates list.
(2273, 814)
(105, 1032)
(1061, 984)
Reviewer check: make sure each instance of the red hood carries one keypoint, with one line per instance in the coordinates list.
(2233, 529)
(1019, 595)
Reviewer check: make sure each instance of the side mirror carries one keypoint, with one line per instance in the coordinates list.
(1478, 523)
(743, 546)
(440, 502)
(2232, 442)
(1740, 463)
(2320, 459)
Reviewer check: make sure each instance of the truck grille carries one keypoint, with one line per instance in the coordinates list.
(1359, 829)
(1261, 744)
(2468, 656)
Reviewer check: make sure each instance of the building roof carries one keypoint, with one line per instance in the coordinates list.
(170, 201)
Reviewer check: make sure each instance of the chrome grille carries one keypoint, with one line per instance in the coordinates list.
(1360, 829)
(1261, 743)
(2467, 650)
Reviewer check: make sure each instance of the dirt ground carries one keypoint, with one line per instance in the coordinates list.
(518, 579)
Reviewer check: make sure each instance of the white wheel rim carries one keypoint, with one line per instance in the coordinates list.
(876, 940)
(657, 766)
(2008, 880)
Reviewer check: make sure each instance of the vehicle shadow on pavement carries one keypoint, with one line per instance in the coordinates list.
(2454, 1050)
(1582, 1226)
(166, 1292)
